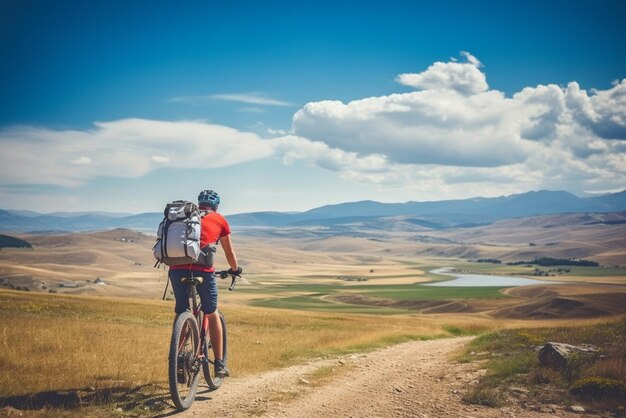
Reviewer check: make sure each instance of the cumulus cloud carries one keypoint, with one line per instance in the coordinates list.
(291, 148)
(427, 127)
(471, 59)
(464, 78)
(603, 112)
(452, 137)
(548, 135)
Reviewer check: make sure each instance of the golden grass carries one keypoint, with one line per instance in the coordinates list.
(51, 342)
(65, 343)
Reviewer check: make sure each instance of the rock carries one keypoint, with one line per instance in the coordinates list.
(577, 408)
(302, 380)
(547, 409)
(556, 355)
(518, 389)
(341, 361)
(11, 412)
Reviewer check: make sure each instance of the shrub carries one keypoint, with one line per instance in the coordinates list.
(599, 388)
(484, 396)
(9, 241)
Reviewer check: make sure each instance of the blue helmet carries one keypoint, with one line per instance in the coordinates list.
(209, 198)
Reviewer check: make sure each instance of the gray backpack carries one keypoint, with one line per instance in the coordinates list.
(178, 237)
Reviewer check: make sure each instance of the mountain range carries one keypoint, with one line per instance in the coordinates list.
(370, 214)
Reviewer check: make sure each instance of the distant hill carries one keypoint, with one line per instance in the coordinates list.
(409, 216)
(40, 223)
(7, 241)
(441, 214)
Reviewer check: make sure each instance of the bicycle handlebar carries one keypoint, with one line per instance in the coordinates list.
(225, 273)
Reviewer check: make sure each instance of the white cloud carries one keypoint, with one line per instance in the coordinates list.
(292, 148)
(464, 133)
(160, 159)
(122, 148)
(471, 59)
(604, 111)
(464, 78)
(81, 161)
(454, 137)
(276, 132)
(251, 110)
(426, 127)
(255, 98)
(251, 98)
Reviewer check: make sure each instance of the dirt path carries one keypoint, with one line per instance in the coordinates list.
(415, 379)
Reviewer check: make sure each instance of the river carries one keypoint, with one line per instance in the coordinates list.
(482, 280)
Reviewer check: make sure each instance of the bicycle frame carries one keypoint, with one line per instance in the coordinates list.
(184, 362)
(196, 310)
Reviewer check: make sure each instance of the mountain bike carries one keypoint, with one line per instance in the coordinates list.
(190, 349)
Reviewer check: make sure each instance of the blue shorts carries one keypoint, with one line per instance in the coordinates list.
(207, 290)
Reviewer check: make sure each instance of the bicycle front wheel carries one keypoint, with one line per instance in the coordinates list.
(208, 368)
(184, 366)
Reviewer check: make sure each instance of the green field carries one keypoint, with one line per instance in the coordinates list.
(593, 271)
(524, 269)
(419, 292)
(314, 303)
(309, 293)
(312, 294)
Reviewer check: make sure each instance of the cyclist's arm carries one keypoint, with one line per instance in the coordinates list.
(229, 252)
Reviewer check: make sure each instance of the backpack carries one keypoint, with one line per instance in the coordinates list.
(178, 236)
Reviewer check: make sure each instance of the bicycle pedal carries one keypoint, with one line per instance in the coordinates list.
(180, 377)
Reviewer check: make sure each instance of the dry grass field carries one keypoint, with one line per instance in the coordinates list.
(69, 340)
(338, 274)
(559, 236)
(86, 355)
(61, 350)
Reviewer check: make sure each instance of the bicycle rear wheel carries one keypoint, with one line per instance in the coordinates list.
(208, 368)
(184, 367)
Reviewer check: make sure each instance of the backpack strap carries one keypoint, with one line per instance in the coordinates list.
(164, 244)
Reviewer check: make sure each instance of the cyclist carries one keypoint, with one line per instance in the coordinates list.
(215, 229)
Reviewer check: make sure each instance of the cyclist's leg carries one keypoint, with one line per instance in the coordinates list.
(180, 290)
(208, 295)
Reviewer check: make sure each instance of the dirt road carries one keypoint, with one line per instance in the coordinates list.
(415, 379)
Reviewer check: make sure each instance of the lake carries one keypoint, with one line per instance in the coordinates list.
(482, 280)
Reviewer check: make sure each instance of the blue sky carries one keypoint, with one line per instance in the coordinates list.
(288, 106)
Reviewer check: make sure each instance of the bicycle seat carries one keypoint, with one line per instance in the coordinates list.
(192, 280)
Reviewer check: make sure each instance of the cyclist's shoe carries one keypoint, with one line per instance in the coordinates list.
(221, 370)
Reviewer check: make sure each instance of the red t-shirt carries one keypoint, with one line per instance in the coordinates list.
(214, 227)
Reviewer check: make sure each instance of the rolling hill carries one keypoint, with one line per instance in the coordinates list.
(346, 218)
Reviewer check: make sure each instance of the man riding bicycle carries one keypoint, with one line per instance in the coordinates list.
(214, 229)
